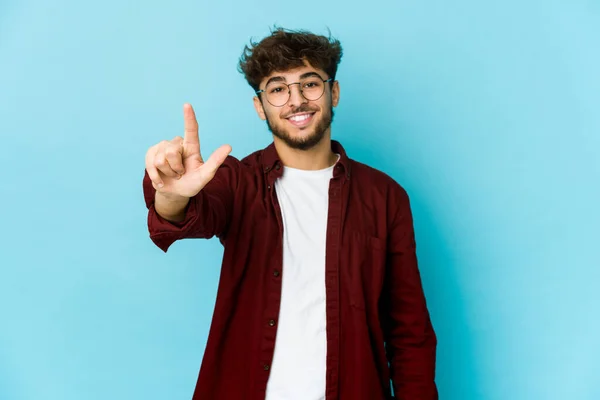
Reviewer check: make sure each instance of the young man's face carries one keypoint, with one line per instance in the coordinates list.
(300, 123)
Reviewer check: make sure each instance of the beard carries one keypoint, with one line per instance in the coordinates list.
(309, 141)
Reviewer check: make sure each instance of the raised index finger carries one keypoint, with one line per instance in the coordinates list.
(190, 125)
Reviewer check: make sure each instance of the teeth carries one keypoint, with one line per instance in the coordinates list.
(299, 118)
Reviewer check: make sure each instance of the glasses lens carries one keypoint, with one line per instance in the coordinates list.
(312, 88)
(278, 93)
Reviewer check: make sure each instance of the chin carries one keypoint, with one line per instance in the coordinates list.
(300, 138)
(302, 142)
(304, 134)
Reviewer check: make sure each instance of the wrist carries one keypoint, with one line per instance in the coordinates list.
(172, 197)
(170, 206)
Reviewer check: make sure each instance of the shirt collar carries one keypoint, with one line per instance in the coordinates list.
(271, 163)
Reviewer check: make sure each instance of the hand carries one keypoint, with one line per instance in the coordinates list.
(176, 167)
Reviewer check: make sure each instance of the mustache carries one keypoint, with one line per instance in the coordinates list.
(301, 109)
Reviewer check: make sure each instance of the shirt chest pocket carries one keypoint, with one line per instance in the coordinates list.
(362, 269)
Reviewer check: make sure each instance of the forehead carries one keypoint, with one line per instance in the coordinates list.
(292, 75)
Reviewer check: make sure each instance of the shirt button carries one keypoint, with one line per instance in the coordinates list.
(278, 167)
(272, 322)
(276, 273)
(266, 367)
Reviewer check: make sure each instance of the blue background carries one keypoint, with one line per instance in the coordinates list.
(488, 113)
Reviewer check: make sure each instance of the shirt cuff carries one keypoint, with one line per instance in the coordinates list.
(163, 232)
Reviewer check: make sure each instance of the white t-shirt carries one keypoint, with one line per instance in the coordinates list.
(299, 361)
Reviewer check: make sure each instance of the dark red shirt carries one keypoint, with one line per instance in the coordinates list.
(375, 306)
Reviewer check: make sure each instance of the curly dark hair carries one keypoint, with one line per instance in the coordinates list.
(287, 49)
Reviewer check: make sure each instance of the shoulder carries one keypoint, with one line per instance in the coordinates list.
(253, 159)
(371, 178)
(382, 196)
(239, 173)
(248, 163)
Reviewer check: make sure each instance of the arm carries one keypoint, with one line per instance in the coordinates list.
(410, 339)
(185, 196)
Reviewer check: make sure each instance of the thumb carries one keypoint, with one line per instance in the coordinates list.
(216, 159)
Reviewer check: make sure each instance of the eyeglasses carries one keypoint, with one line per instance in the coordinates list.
(278, 92)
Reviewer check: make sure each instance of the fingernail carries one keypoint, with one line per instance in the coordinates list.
(160, 185)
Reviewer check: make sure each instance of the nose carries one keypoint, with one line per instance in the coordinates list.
(296, 97)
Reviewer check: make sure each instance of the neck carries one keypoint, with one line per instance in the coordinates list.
(318, 157)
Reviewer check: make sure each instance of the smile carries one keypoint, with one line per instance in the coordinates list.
(301, 119)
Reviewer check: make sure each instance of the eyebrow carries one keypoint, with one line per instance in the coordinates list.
(282, 79)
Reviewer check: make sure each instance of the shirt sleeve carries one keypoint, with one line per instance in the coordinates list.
(410, 339)
(207, 214)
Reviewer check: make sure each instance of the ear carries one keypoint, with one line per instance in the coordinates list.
(259, 108)
(335, 93)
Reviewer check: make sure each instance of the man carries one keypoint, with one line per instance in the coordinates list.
(320, 295)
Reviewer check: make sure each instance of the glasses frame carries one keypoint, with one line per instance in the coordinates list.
(258, 92)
